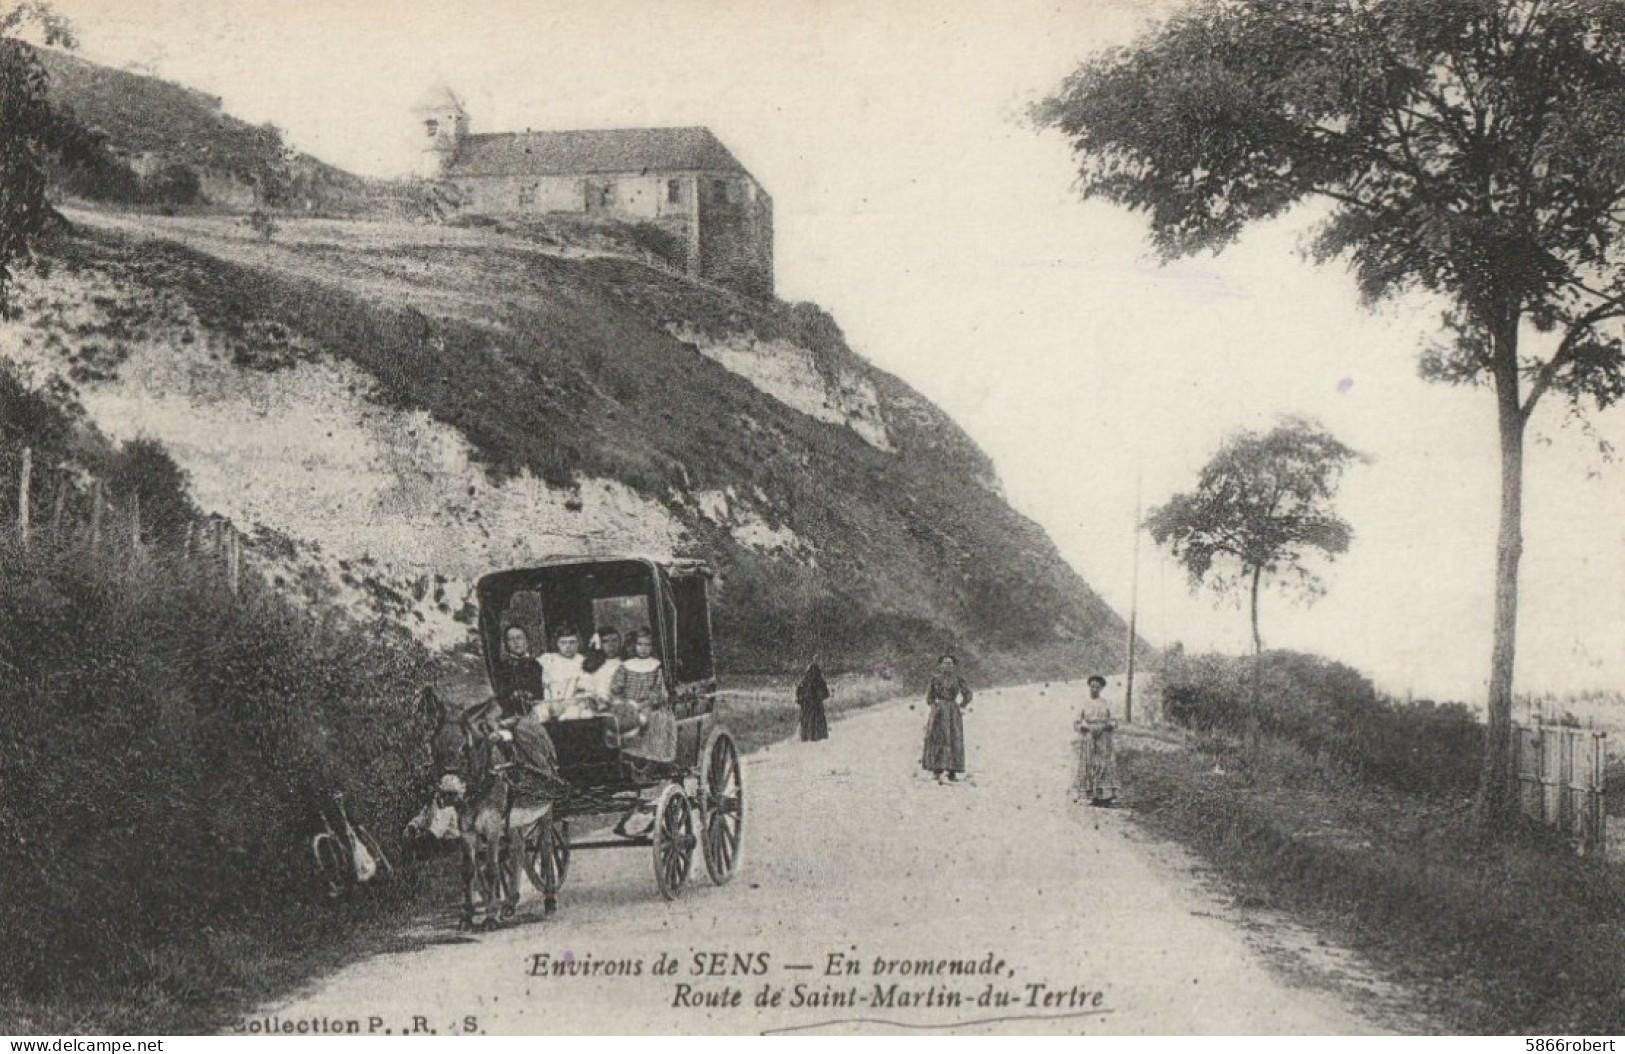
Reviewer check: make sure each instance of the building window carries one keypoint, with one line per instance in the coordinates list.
(719, 191)
(674, 191)
(600, 194)
(527, 194)
(433, 128)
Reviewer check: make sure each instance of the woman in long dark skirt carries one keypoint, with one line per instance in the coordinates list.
(947, 697)
(810, 696)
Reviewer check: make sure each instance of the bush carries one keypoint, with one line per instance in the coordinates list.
(655, 239)
(1334, 713)
(1614, 787)
(98, 178)
(44, 419)
(143, 474)
(166, 746)
(260, 222)
(173, 184)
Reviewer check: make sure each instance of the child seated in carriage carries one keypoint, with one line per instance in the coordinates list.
(640, 699)
(604, 658)
(567, 693)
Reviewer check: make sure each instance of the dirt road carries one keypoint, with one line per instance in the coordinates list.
(994, 906)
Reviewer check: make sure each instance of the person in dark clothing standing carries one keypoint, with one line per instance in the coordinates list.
(947, 696)
(810, 696)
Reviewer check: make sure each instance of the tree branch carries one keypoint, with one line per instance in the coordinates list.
(1547, 374)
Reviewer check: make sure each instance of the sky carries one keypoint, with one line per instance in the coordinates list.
(915, 201)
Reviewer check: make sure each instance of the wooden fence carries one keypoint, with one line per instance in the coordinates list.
(101, 528)
(1559, 770)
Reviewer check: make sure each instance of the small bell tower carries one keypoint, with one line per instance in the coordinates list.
(442, 124)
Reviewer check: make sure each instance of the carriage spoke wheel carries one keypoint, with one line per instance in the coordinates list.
(724, 796)
(548, 870)
(560, 859)
(673, 840)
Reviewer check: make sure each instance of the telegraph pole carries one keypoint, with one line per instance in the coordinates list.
(1133, 612)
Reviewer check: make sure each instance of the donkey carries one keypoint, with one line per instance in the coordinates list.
(468, 745)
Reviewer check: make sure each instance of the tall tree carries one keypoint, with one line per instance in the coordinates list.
(1261, 505)
(30, 133)
(1473, 149)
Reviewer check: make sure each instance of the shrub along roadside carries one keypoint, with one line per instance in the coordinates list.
(1333, 713)
(164, 749)
(1515, 938)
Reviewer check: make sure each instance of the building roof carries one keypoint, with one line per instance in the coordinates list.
(439, 97)
(604, 150)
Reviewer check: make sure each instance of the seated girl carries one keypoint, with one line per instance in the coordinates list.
(568, 696)
(640, 698)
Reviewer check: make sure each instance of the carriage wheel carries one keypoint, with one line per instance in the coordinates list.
(673, 838)
(722, 793)
(548, 875)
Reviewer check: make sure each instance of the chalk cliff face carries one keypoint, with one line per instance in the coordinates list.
(789, 372)
(390, 409)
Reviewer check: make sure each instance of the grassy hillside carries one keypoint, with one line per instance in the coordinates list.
(146, 115)
(165, 144)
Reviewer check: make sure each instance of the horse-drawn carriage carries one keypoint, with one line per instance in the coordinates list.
(697, 799)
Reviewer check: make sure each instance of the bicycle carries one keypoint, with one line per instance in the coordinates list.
(348, 856)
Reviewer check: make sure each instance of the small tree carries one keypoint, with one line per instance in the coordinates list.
(30, 133)
(260, 222)
(1261, 505)
(174, 184)
(143, 472)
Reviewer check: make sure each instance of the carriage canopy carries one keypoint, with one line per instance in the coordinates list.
(594, 594)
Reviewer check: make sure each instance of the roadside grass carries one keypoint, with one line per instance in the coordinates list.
(1519, 937)
(207, 981)
(761, 710)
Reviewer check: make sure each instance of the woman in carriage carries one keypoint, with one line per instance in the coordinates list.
(519, 675)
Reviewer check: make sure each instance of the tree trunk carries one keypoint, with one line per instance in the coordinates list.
(1496, 805)
(1258, 660)
(1258, 642)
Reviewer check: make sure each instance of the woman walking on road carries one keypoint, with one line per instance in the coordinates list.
(1097, 755)
(947, 697)
(810, 696)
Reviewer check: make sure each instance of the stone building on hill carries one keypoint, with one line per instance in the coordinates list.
(682, 180)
